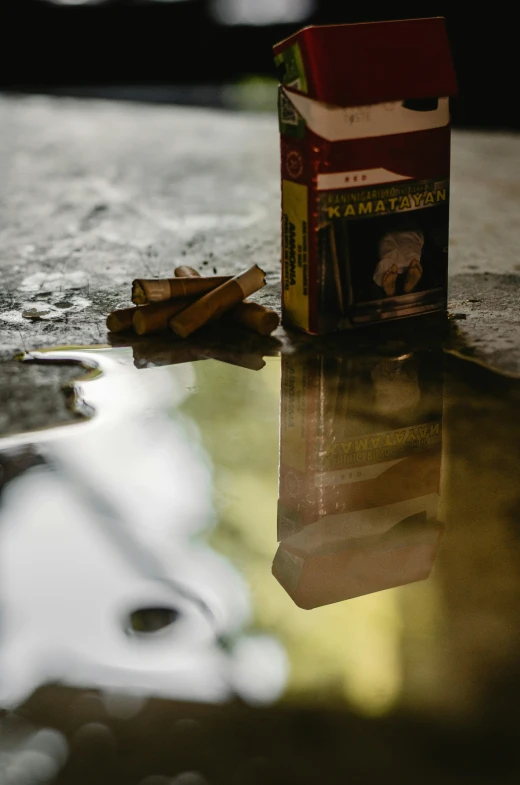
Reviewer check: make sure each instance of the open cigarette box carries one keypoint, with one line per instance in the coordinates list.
(360, 464)
(365, 167)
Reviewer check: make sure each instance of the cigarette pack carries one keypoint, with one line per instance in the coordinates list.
(365, 167)
(360, 464)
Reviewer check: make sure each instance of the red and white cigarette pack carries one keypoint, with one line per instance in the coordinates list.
(365, 169)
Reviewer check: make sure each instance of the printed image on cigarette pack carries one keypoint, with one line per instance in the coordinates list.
(365, 169)
(360, 464)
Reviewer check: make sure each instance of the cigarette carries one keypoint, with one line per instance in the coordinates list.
(156, 291)
(186, 272)
(213, 304)
(253, 316)
(120, 320)
(155, 317)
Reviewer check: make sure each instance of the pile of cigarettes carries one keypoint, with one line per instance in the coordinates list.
(189, 301)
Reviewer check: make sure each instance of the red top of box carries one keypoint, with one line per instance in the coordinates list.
(373, 62)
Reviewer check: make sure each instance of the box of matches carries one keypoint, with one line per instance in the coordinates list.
(365, 170)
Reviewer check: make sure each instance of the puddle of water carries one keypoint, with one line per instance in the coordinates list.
(198, 551)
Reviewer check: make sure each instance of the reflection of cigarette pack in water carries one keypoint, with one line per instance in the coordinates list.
(357, 434)
(360, 459)
(315, 574)
(365, 164)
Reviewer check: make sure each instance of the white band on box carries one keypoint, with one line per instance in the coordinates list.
(331, 181)
(340, 123)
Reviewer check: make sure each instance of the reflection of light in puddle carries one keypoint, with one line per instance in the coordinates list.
(27, 758)
(109, 524)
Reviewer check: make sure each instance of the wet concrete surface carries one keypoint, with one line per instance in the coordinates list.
(149, 634)
(34, 396)
(242, 560)
(95, 193)
(484, 307)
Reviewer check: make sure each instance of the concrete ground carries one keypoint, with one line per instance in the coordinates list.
(95, 193)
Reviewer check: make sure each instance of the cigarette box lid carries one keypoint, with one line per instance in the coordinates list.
(369, 63)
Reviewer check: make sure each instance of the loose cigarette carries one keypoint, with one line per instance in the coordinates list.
(144, 292)
(117, 321)
(186, 272)
(155, 317)
(215, 303)
(253, 316)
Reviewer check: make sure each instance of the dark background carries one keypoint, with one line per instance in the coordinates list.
(179, 52)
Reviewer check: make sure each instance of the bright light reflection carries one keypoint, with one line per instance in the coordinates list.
(77, 2)
(266, 12)
(110, 523)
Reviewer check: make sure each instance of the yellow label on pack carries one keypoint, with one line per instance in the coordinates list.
(295, 253)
